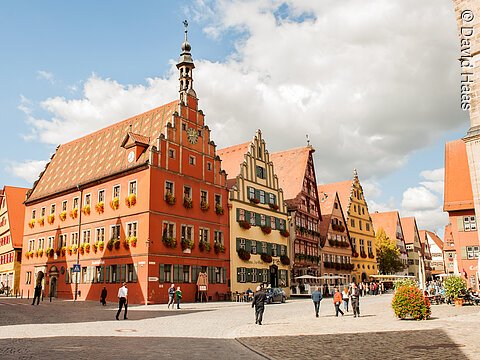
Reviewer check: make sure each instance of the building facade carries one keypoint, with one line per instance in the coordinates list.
(141, 201)
(259, 249)
(390, 222)
(12, 214)
(296, 174)
(416, 266)
(426, 254)
(336, 249)
(436, 250)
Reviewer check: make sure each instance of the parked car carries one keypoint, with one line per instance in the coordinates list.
(276, 295)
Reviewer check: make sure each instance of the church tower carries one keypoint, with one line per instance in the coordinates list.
(185, 67)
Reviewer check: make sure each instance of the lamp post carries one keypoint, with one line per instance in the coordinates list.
(78, 239)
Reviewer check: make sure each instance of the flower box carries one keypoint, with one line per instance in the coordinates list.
(40, 252)
(169, 242)
(243, 254)
(116, 244)
(86, 210)
(101, 245)
(63, 216)
(41, 221)
(115, 203)
(244, 224)
(187, 244)
(95, 247)
(86, 247)
(204, 205)
(187, 203)
(74, 213)
(274, 207)
(266, 229)
(363, 255)
(49, 252)
(132, 241)
(355, 255)
(170, 199)
(285, 260)
(131, 200)
(51, 219)
(81, 250)
(266, 257)
(219, 209)
(218, 248)
(110, 244)
(64, 250)
(203, 245)
(100, 207)
(284, 233)
(254, 200)
(371, 256)
(31, 223)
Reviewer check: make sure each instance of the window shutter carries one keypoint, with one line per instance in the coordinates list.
(211, 274)
(102, 273)
(257, 219)
(247, 216)
(238, 214)
(274, 198)
(249, 275)
(285, 250)
(224, 275)
(268, 221)
(135, 269)
(460, 223)
(269, 248)
(67, 276)
(277, 223)
(248, 245)
(107, 276)
(89, 274)
(161, 273)
(123, 272)
(238, 274)
(238, 243)
(463, 251)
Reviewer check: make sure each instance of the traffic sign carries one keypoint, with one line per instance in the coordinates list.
(76, 268)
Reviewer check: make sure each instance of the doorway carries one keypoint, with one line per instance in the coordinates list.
(274, 276)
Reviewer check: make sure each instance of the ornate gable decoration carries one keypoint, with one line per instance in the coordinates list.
(136, 143)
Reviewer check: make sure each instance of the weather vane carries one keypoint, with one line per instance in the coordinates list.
(308, 140)
(185, 23)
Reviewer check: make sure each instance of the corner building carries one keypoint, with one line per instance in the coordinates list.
(140, 201)
(258, 218)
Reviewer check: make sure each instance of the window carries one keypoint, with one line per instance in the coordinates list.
(62, 240)
(31, 245)
(218, 237)
(260, 172)
(42, 212)
(101, 196)
(241, 215)
(132, 229)
(363, 211)
(41, 243)
(203, 196)
(75, 203)
(362, 246)
(64, 205)
(472, 252)
(132, 187)
(252, 218)
(264, 247)
(169, 187)
(116, 191)
(131, 273)
(33, 214)
(186, 273)
(100, 234)
(352, 222)
(51, 242)
(28, 277)
(209, 166)
(171, 153)
(241, 243)
(262, 196)
(360, 224)
(274, 250)
(271, 199)
(367, 226)
(354, 207)
(203, 235)
(251, 193)
(87, 199)
(273, 223)
(283, 250)
(191, 160)
(187, 232)
(86, 236)
(218, 199)
(99, 274)
(115, 232)
(253, 247)
(52, 209)
(187, 192)
(263, 220)
(369, 246)
(242, 272)
(335, 205)
(469, 223)
(166, 272)
(169, 229)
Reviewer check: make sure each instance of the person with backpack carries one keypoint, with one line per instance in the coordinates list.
(355, 297)
(316, 298)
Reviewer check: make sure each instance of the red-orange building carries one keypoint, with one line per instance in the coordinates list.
(458, 202)
(140, 201)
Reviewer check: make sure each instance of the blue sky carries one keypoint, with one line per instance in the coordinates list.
(379, 93)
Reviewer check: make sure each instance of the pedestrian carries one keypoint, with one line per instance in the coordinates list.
(355, 297)
(122, 301)
(171, 296)
(337, 300)
(103, 296)
(37, 293)
(317, 297)
(259, 303)
(345, 297)
(178, 294)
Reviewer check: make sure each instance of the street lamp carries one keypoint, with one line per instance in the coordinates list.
(78, 240)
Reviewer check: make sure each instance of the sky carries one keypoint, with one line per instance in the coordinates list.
(375, 85)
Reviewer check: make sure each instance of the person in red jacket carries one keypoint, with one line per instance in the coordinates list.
(337, 300)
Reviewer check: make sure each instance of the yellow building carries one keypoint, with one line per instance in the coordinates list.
(258, 218)
(359, 225)
(12, 216)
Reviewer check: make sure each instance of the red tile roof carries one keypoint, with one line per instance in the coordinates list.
(100, 154)
(436, 239)
(326, 200)
(232, 157)
(343, 189)
(290, 166)
(16, 212)
(387, 221)
(458, 188)
(408, 227)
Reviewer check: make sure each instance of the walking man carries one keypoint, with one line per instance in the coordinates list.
(337, 300)
(317, 297)
(178, 294)
(171, 296)
(37, 294)
(355, 296)
(122, 301)
(103, 296)
(259, 303)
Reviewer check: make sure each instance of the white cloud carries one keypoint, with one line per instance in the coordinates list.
(433, 219)
(419, 198)
(27, 170)
(433, 175)
(42, 74)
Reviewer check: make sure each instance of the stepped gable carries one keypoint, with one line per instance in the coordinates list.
(387, 221)
(408, 227)
(15, 196)
(290, 166)
(344, 191)
(232, 157)
(458, 187)
(435, 239)
(100, 154)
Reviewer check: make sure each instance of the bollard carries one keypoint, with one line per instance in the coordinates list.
(28, 294)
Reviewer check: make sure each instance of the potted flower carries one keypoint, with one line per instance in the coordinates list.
(49, 252)
(31, 223)
(132, 241)
(409, 301)
(363, 255)
(244, 224)
(204, 205)
(285, 260)
(254, 200)
(371, 256)
(273, 206)
(63, 215)
(110, 244)
(219, 209)
(218, 247)
(126, 244)
(86, 247)
(74, 213)
(101, 245)
(100, 207)
(455, 288)
(116, 244)
(51, 219)
(355, 254)
(187, 202)
(243, 254)
(170, 199)
(81, 250)
(40, 252)
(169, 242)
(115, 203)
(284, 233)
(41, 221)
(64, 250)
(266, 229)
(204, 245)
(187, 245)
(131, 200)
(86, 210)
(266, 258)
(95, 247)
(331, 242)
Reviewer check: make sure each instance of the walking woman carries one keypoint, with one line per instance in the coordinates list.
(337, 300)
(345, 295)
(178, 294)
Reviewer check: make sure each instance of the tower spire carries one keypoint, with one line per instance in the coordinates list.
(185, 66)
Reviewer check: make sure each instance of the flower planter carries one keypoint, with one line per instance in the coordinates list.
(266, 258)
(266, 229)
(274, 207)
(187, 251)
(285, 260)
(131, 200)
(100, 207)
(458, 302)
(218, 248)
(243, 254)
(284, 233)
(170, 199)
(63, 215)
(115, 203)
(31, 223)
(41, 221)
(187, 203)
(244, 224)
(204, 206)
(254, 200)
(219, 209)
(86, 210)
(74, 213)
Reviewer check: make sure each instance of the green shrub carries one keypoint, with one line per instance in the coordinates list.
(409, 301)
(455, 286)
(405, 282)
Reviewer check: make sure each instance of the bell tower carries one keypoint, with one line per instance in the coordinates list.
(185, 67)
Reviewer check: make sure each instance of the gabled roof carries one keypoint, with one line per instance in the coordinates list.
(387, 221)
(290, 166)
(435, 239)
(458, 187)
(100, 154)
(408, 227)
(343, 189)
(232, 157)
(326, 202)
(15, 197)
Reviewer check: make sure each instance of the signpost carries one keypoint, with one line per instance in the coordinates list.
(76, 268)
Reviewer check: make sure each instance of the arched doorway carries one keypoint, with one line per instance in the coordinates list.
(53, 275)
(364, 277)
(274, 276)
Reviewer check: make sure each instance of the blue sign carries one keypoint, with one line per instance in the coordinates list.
(76, 268)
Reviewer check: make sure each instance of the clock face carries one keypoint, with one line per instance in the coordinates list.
(192, 135)
(131, 156)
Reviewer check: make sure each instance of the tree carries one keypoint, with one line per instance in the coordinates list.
(388, 254)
